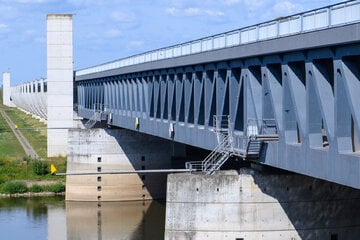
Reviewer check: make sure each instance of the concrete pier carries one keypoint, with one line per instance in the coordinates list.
(105, 150)
(59, 82)
(6, 90)
(254, 206)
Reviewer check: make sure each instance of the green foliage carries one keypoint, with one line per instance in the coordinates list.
(40, 167)
(14, 187)
(27, 159)
(14, 164)
(10, 148)
(34, 130)
(36, 188)
(55, 188)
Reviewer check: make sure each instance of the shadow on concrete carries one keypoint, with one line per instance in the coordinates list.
(147, 152)
(317, 209)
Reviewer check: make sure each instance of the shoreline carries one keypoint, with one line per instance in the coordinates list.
(31, 194)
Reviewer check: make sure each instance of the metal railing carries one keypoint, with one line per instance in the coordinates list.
(100, 107)
(257, 127)
(222, 127)
(100, 112)
(212, 160)
(328, 17)
(96, 117)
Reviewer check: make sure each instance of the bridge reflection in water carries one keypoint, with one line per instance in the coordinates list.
(54, 219)
(115, 220)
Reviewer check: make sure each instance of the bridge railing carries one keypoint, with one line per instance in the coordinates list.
(332, 16)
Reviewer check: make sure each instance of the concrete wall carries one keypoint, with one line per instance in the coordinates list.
(59, 82)
(104, 150)
(6, 89)
(254, 206)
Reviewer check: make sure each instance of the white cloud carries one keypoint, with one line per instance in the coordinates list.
(171, 11)
(111, 33)
(285, 8)
(29, 1)
(231, 2)
(29, 32)
(254, 5)
(193, 11)
(4, 28)
(85, 2)
(123, 17)
(40, 40)
(136, 43)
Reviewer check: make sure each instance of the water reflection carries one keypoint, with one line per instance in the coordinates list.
(115, 220)
(55, 219)
(27, 218)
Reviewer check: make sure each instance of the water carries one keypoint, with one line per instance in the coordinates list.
(54, 219)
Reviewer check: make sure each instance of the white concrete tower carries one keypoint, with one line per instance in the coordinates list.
(6, 90)
(59, 82)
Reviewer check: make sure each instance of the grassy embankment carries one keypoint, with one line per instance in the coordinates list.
(15, 167)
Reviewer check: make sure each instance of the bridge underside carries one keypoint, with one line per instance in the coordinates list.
(311, 92)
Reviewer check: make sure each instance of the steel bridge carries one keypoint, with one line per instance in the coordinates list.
(283, 93)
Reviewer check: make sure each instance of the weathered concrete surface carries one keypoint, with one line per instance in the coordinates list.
(105, 150)
(253, 206)
(7, 90)
(59, 82)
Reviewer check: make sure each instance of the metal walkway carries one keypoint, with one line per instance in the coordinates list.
(247, 146)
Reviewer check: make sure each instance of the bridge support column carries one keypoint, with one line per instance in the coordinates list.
(7, 90)
(59, 82)
(254, 206)
(106, 150)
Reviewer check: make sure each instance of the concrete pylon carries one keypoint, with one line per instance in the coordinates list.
(7, 90)
(59, 82)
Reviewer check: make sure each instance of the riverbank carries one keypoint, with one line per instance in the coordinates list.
(20, 174)
(31, 194)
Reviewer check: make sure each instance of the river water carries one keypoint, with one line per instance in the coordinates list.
(54, 219)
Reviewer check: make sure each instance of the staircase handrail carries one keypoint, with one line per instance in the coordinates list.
(205, 164)
(93, 119)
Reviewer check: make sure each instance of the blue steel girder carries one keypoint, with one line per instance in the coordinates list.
(312, 95)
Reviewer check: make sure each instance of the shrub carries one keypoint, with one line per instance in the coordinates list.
(56, 188)
(2, 162)
(27, 159)
(36, 188)
(14, 187)
(40, 167)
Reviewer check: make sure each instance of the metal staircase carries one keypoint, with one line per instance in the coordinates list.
(247, 146)
(221, 153)
(214, 160)
(253, 148)
(96, 117)
(100, 113)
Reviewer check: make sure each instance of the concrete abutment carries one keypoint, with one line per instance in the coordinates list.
(253, 205)
(106, 150)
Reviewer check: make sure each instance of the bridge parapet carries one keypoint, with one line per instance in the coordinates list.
(328, 17)
(31, 97)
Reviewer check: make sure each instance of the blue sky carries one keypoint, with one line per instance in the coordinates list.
(105, 30)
